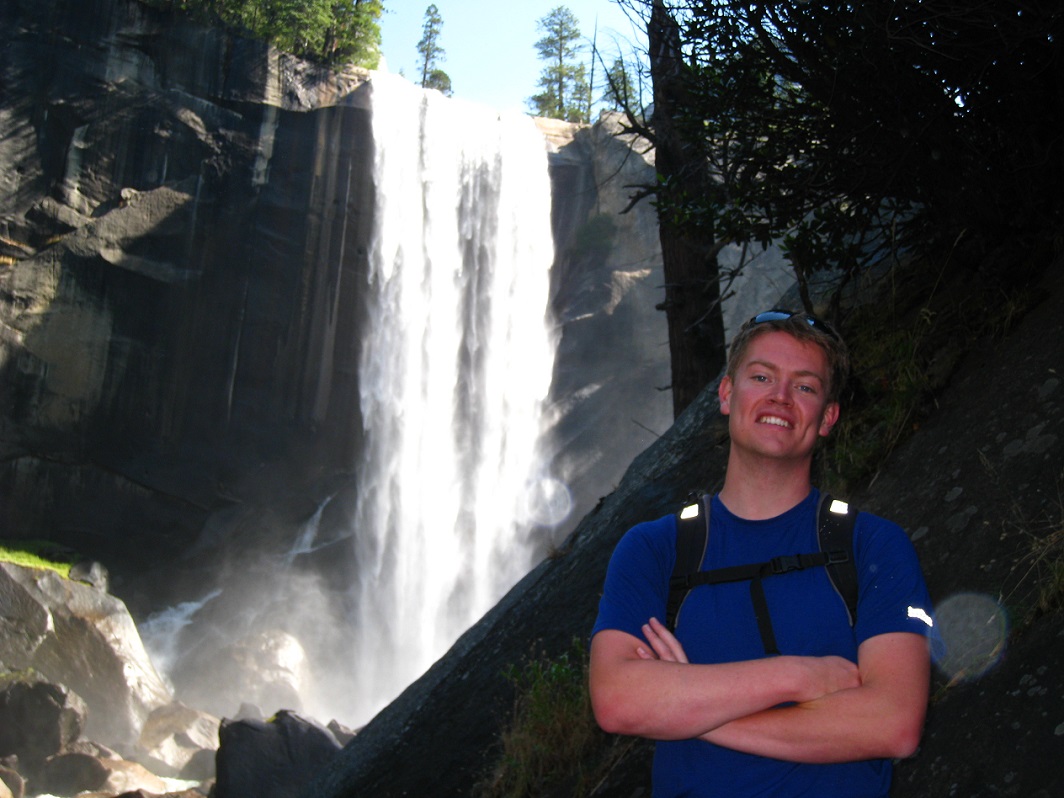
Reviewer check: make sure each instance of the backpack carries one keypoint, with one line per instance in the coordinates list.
(835, 522)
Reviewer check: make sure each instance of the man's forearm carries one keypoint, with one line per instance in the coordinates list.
(667, 701)
(883, 718)
(818, 732)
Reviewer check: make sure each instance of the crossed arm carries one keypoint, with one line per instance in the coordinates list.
(836, 711)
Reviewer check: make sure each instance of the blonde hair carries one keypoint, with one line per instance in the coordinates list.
(803, 327)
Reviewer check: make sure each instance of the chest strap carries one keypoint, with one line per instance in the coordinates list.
(755, 573)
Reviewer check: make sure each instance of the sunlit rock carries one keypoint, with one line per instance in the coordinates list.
(268, 669)
(89, 643)
(75, 773)
(173, 735)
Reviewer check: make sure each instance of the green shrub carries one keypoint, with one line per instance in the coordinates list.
(553, 746)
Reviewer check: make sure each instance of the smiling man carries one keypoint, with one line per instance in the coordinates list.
(824, 711)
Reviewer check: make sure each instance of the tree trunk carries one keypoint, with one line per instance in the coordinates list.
(689, 251)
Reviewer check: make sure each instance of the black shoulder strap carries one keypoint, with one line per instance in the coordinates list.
(835, 522)
(692, 535)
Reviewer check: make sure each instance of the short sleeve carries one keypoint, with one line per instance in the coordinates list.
(637, 579)
(893, 595)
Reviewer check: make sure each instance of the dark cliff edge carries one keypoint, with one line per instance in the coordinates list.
(979, 488)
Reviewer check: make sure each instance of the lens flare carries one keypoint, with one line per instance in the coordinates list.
(548, 502)
(972, 634)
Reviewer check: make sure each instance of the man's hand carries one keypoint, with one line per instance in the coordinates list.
(664, 644)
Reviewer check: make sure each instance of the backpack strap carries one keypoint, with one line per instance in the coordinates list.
(692, 535)
(835, 522)
(755, 573)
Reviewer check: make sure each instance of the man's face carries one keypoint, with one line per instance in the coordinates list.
(777, 402)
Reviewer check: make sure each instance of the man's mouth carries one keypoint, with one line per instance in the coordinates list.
(775, 421)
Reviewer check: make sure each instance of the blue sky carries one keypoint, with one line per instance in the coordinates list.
(489, 45)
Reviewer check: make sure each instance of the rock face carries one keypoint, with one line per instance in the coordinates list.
(83, 638)
(172, 261)
(607, 280)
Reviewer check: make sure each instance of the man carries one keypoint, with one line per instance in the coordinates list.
(826, 716)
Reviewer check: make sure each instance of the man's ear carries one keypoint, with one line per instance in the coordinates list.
(724, 393)
(827, 421)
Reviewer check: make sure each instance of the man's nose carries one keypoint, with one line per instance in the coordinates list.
(783, 392)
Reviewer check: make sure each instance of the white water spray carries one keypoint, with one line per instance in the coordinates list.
(455, 366)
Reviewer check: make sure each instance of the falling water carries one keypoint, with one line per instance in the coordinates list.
(455, 366)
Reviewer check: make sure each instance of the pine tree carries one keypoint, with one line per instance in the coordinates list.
(563, 80)
(432, 77)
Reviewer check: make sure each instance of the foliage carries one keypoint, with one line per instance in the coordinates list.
(565, 90)
(432, 77)
(553, 744)
(439, 80)
(1048, 556)
(328, 31)
(853, 130)
(853, 135)
(37, 554)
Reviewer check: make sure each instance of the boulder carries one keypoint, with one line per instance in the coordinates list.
(85, 639)
(173, 735)
(37, 720)
(200, 767)
(75, 773)
(91, 573)
(12, 785)
(271, 759)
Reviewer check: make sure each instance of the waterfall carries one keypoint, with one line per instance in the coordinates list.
(455, 366)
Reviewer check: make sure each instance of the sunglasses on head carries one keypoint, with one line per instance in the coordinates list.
(777, 314)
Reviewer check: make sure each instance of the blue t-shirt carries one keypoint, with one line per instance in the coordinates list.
(717, 624)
